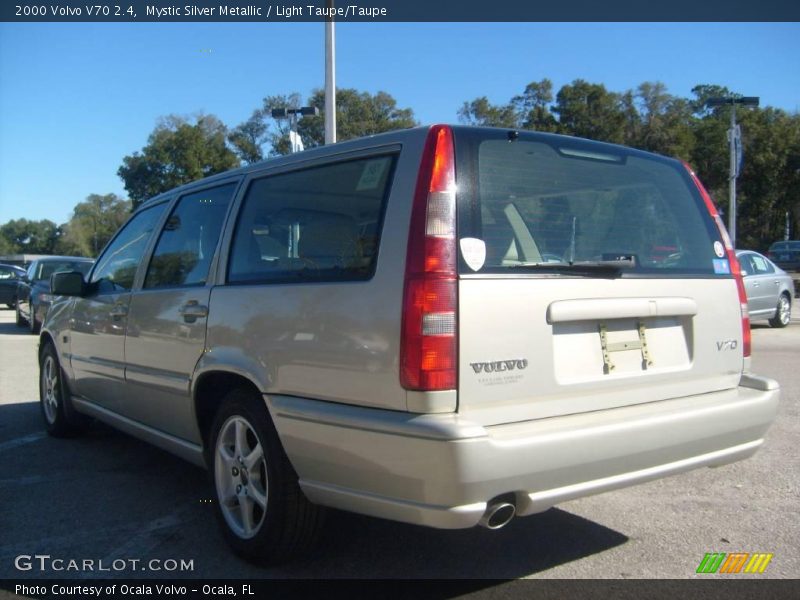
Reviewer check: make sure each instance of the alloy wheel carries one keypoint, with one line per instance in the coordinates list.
(50, 389)
(240, 473)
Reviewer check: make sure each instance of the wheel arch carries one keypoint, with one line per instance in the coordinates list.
(209, 388)
(46, 338)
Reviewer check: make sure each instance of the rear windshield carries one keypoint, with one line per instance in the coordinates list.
(539, 202)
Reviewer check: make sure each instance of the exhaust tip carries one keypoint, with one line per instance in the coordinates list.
(497, 515)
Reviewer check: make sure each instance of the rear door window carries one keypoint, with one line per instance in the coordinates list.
(317, 224)
(189, 239)
(760, 265)
(545, 202)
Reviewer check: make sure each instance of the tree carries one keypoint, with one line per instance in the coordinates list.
(589, 110)
(666, 121)
(533, 107)
(357, 114)
(94, 221)
(248, 138)
(22, 236)
(768, 186)
(482, 113)
(177, 152)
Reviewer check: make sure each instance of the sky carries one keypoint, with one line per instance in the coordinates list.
(75, 98)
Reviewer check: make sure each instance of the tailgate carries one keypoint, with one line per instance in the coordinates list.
(538, 347)
(591, 276)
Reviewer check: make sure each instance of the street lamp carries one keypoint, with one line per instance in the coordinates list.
(735, 141)
(291, 114)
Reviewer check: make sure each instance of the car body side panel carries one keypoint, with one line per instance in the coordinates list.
(161, 351)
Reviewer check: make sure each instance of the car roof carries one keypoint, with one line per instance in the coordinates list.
(397, 136)
(62, 258)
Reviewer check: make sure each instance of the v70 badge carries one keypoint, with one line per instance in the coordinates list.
(727, 345)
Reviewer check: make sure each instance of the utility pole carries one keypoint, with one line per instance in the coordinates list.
(330, 78)
(735, 142)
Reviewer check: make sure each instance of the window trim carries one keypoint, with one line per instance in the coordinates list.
(392, 150)
(173, 205)
(167, 201)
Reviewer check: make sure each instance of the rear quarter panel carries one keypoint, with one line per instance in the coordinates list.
(335, 341)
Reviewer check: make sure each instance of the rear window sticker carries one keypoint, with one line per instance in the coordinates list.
(372, 174)
(721, 266)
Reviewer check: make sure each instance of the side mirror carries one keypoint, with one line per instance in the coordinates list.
(67, 284)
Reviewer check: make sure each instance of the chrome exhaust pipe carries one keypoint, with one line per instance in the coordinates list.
(497, 515)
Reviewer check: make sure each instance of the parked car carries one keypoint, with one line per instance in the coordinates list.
(9, 276)
(785, 254)
(33, 289)
(446, 326)
(769, 289)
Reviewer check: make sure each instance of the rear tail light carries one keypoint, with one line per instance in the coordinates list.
(429, 341)
(736, 270)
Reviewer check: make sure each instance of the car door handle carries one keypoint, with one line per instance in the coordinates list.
(755, 284)
(193, 310)
(119, 311)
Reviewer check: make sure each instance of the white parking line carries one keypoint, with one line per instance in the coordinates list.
(33, 437)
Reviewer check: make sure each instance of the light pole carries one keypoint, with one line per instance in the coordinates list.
(330, 78)
(291, 113)
(735, 141)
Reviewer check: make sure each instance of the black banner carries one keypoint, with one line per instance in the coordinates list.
(711, 588)
(376, 11)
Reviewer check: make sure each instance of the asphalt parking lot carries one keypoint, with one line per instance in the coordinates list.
(109, 497)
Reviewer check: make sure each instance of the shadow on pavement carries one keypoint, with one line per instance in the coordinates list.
(106, 495)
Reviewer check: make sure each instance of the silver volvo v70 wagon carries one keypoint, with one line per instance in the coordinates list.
(446, 326)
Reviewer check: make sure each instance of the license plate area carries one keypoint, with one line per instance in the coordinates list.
(613, 348)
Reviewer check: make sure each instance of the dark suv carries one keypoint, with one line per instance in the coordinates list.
(786, 254)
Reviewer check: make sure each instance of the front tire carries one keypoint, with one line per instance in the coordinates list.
(36, 326)
(53, 393)
(783, 312)
(21, 321)
(265, 516)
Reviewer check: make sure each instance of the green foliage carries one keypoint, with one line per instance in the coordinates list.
(532, 107)
(357, 114)
(482, 113)
(94, 221)
(177, 152)
(652, 119)
(21, 236)
(588, 110)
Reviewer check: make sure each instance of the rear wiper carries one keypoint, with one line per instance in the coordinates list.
(610, 266)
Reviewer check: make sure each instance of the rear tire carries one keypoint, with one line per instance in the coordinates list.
(59, 421)
(264, 515)
(783, 312)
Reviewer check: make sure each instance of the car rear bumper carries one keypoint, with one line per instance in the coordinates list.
(442, 470)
